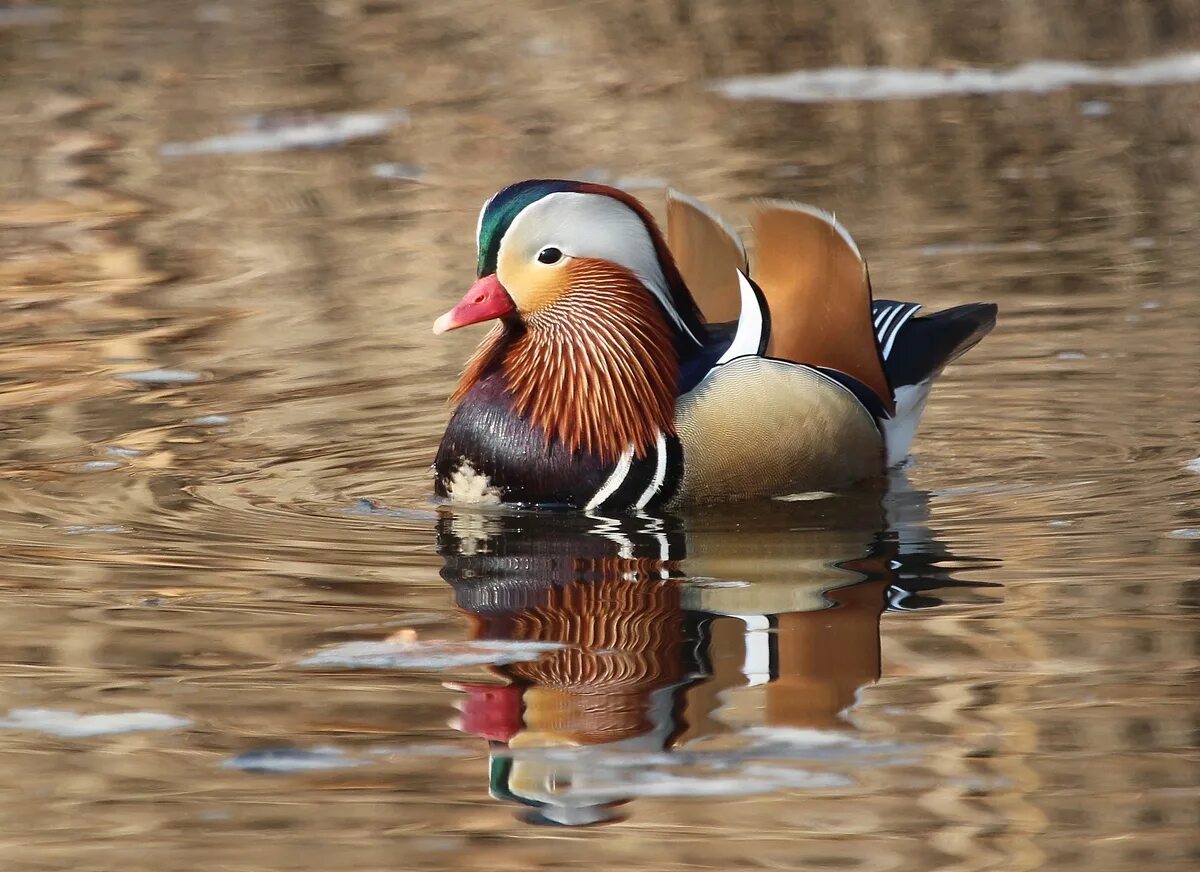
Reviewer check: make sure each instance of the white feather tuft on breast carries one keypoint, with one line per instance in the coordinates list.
(467, 486)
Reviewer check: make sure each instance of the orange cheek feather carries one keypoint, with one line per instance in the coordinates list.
(534, 286)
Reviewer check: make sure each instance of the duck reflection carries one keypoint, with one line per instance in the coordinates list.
(661, 620)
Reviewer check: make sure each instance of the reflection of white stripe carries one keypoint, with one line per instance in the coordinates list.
(613, 482)
(757, 665)
(664, 554)
(610, 528)
(660, 473)
(624, 546)
(887, 349)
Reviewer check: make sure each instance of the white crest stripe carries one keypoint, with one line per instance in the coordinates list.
(660, 473)
(614, 480)
(479, 223)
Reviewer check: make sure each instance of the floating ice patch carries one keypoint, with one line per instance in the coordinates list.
(264, 136)
(122, 451)
(1193, 466)
(809, 744)
(544, 46)
(804, 497)
(426, 655)
(72, 725)
(751, 780)
(422, 750)
(323, 757)
(292, 760)
(99, 465)
(894, 83)
(407, 172)
(1095, 108)
(160, 376)
(1185, 533)
(85, 529)
(212, 420)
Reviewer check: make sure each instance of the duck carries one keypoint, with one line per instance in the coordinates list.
(630, 370)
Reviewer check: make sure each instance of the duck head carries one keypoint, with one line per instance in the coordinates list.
(593, 314)
(548, 242)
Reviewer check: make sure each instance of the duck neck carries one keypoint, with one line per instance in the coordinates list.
(595, 374)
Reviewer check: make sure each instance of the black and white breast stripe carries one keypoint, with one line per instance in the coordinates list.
(890, 316)
(644, 482)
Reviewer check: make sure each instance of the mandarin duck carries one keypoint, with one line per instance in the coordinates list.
(630, 371)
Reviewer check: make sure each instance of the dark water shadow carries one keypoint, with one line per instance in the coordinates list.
(664, 623)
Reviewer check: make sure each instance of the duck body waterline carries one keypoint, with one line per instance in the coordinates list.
(616, 380)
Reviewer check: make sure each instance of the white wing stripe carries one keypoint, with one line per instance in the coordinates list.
(880, 315)
(660, 473)
(883, 328)
(613, 482)
(887, 349)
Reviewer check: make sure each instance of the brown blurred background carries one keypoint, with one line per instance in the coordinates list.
(212, 344)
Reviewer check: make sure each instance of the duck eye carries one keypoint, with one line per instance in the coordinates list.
(549, 255)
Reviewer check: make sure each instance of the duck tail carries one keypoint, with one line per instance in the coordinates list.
(915, 350)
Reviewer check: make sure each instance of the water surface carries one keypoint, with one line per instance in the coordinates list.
(237, 634)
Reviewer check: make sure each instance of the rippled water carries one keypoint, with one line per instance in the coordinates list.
(237, 634)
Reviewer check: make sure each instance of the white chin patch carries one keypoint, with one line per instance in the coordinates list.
(467, 486)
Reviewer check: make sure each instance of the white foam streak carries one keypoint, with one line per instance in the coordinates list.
(426, 655)
(895, 83)
(323, 132)
(69, 724)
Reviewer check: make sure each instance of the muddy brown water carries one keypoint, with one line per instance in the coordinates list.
(236, 634)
